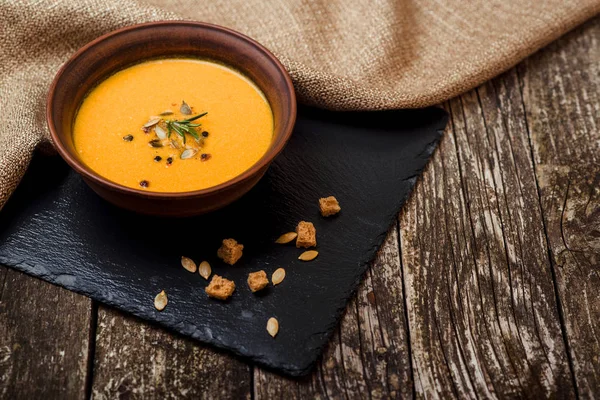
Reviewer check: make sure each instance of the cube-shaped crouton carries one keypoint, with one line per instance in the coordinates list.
(230, 251)
(307, 235)
(257, 280)
(329, 206)
(220, 288)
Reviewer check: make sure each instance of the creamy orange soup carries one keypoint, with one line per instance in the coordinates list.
(116, 131)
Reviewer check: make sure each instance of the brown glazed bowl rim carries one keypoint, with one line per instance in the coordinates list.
(274, 150)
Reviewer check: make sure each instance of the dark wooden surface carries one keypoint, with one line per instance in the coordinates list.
(488, 286)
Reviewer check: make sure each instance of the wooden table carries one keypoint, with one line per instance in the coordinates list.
(488, 285)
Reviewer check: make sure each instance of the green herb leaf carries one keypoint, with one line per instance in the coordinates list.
(179, 132)
(194, 118)
(189, 130)
(181, 127)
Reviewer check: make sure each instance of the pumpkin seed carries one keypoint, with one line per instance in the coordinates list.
(165, 113)
(272, 326)
(286, 237)
(205, 269)
(155, 143)
(152, 122)
(160, 132)
(278, 276)
(188, 153)
(128, 138)
(185, 109)
(188, 264)
(308, 255)
(160, 301)
(174, 144)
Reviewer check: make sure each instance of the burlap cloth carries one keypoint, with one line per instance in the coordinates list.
(342, 54)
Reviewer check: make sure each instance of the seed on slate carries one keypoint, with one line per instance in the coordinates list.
(155, 143)
(204, 134)
(160, 132)
(205, 270)
(144, 183)
(185, 109)
(188, 153)
(128, 138)
(188, 264)
(272, 326)
(205, 157)
(308, 255)
(161, 300)
(157, 158)
(286, 237)
(151, 123)
(278, 276)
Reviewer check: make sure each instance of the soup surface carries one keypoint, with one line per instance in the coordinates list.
(138, 127)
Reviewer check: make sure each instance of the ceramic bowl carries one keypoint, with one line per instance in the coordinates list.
(127, 46)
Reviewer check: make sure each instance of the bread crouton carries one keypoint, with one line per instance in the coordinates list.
(307, 235)
(329, 206)
(257, 280)
(220, 288)
(230, 252)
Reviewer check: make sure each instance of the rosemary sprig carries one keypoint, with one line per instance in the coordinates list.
(183, 126)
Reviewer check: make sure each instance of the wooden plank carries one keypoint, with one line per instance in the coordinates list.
(369, 356)
(561, 90)
(44, 339)
(482, 309)
(139, 360)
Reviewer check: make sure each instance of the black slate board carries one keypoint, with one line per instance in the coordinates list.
(54, 227)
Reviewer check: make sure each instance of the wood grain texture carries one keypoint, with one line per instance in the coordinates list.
(368, 358)
(136, 360)
(481, 301)
(561, 91)
(485, 317)
(44, 339)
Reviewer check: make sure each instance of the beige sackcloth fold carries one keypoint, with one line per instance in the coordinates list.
(341, 54)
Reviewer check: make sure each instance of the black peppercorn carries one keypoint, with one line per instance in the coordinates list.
(205, 157)
(157, 158)
(204, 134)
(144, 183)
(128, 138)
(170, 160)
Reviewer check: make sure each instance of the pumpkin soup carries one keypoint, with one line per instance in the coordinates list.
(173, 125)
